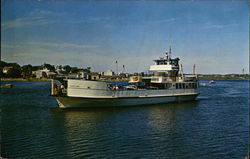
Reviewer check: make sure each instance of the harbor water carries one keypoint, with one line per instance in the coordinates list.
(216, 125)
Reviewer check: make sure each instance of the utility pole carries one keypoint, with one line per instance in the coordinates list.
(194, 72)
(123, 68)
(116, 62)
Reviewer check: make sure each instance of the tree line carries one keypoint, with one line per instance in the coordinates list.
(25, 71)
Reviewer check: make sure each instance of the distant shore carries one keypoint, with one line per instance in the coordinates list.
(25, 79)
(224, 77)
(200, 77)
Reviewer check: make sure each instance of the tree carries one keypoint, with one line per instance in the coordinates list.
(2, 65)
(60, 67)
(74, 69)
(86, 69)
(35, 68)
(26, 71)
(44, 75)
(67, 68)
(49, 66)
(15, 71)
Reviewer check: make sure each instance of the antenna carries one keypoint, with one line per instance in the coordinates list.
(170, 51)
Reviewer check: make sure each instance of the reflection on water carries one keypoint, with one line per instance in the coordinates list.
(117, 131)
(215, 126)
(161, 118)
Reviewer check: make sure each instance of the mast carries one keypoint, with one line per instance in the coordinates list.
(168, 55)
(182, 72)
(194, 71)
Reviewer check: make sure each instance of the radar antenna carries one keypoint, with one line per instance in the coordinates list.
(168, 54)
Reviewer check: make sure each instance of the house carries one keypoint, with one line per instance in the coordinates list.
(45, 73)
(83, 74)
(6, 69)
(108, 73)
(33, 72)
(60, 70)
(95, 76)
(73, 75)
(51, 74)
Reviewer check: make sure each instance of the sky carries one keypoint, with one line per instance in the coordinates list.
(213, 35)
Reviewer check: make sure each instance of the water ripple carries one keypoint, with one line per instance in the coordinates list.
(214, 126)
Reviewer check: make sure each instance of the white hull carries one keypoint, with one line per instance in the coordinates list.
(165, 86)
(83, 93)
(72, 102)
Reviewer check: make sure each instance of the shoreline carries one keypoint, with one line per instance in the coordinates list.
(222, 78)
(48, 80)
(23, 79)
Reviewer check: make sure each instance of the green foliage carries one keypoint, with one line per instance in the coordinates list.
(74, 70)
(26, 71)
(15, 71)
(67, 68)
(2, 65)
(44, 74)
(49, 66)
(35, 68)
(85, 70)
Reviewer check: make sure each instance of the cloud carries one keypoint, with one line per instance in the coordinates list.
(37, 53)
(165, 20)
(45, 44)
(25, 22)
(104, 20)
(61, 45)
(219, 26)
(39, 12)
(36, 18)
(39, 17)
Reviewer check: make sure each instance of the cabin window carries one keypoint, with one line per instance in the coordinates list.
(154, 79)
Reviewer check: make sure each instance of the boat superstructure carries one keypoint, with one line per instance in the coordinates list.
(166, 84)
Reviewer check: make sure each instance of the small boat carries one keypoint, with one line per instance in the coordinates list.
(212, 82)
(7, 86)
(203, 84)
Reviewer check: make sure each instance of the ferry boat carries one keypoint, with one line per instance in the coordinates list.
(167, 83)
